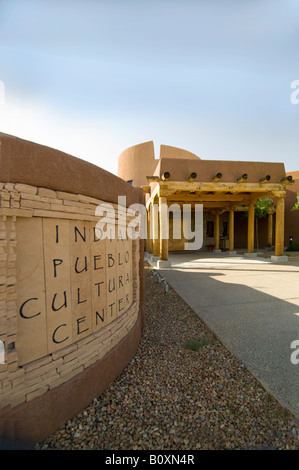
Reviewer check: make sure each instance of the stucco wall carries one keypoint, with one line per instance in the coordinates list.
(206, 169)
(71, 305)
(292, 217)
(137, 162)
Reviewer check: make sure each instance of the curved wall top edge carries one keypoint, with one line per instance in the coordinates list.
(22, 161)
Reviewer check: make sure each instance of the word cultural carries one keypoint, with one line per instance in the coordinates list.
(86, 281)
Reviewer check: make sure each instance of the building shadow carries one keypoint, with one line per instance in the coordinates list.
(255, 326)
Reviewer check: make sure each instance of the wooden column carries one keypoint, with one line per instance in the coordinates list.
(279, 227)
(217, 231)
(149, 241)
(250, 241)
(231, 230)
(270, 229)
(164, 229)
(155, 228)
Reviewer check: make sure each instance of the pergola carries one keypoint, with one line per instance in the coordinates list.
(229, 190)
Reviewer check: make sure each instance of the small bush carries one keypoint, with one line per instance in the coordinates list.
(294, 246)
(196, 344)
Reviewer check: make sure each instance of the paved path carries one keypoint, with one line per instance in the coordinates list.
(252, 305)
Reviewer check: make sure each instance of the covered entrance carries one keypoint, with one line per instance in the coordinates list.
(220, 201)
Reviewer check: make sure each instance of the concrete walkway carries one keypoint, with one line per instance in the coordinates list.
(252, 305)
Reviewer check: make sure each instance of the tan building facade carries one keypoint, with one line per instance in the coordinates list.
(292, 216)
(227, 191)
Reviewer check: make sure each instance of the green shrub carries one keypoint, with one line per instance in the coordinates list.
(196, 344)
(294, 246)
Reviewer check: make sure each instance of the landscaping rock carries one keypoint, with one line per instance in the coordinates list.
(176, 397)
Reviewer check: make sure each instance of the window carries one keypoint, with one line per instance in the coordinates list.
(210, 229)
(130, 182)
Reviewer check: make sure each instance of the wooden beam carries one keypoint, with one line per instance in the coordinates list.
(287, 180)
(165, 176)
(217, 177)
(242, 178)
(192, 176)
(202, 197)
(146, 189)
(153, 179)
(170, 187)
(264, 179)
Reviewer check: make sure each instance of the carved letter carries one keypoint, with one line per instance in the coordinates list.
(95, 258)
(79, 300)
(110, 260)
(101, 316)
(63, 305)
(54, 333)
(22, 306)
(80, 320)
(82, 236)
(99, 288)
(56, 262)
(85, 267)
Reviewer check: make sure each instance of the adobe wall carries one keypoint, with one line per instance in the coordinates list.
(71, 301)
(137, 162)
(167, 151)
(292, 217)
(206, 169)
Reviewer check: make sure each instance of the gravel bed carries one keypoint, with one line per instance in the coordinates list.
(183, 390)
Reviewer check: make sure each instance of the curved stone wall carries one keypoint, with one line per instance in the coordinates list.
(71, 300)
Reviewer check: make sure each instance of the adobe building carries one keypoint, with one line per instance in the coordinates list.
(228, 191)
(291, 216)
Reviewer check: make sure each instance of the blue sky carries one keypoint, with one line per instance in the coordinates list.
(93, 77)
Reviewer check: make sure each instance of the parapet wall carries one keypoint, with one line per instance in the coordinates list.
(71, 301)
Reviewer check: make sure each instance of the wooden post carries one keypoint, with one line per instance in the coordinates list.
(217, 231)
(279, 227)
(250, 241)
(164, 229)
(270, 229)
(149, 241)
(231, 230)
(155, 229)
